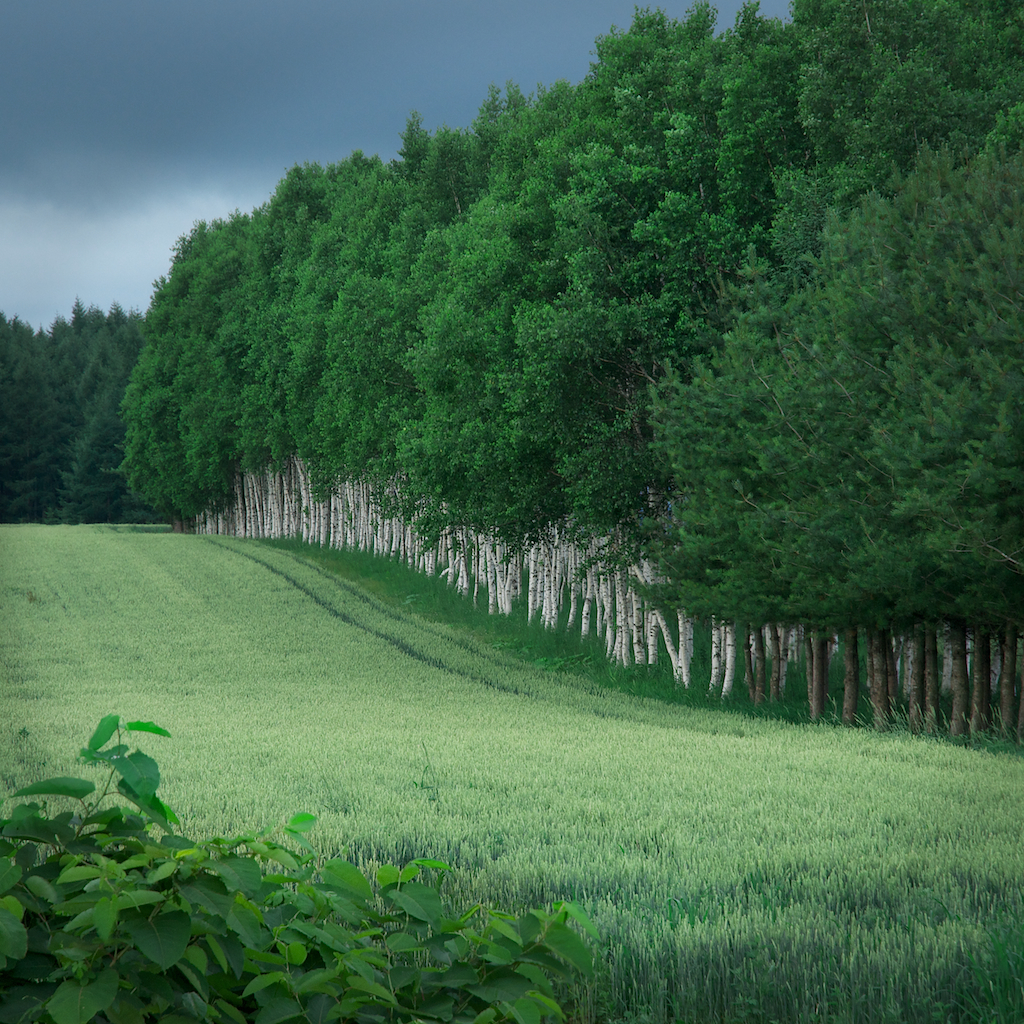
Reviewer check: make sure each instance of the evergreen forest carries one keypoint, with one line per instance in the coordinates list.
(61, 428)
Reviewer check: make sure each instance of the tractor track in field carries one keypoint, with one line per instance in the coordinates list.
(389, 638)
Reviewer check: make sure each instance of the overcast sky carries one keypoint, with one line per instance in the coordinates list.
(122, 122)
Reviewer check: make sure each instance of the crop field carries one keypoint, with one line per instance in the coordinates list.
(736, 869)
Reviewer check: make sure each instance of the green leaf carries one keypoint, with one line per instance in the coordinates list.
(278, 1010)
(550, 1003)
(13, 936)
(195, 956)
(104, 917)
(195, 977)
(296, 953)
(73, 1003)
(79, 789)
(502, 985)
(106, 729)
(229, 952)
(408, 873)
(78, 873)
(209, 893)
(147, 727)
(162, 940)
(262, 981)
(436, 1007)
(526, 1011)
(342, 875)
(320, 1009)
(245, 923)
(239, 873)
(139, 771)
(42, 889)
(388, 874)
(285, 859)
(438, 865)
(320, 980)
(577, 913)
(230, 1011)
(137, 898)
(459, 976)
(301, 822)
(157, 809)
(567, 944)
(13, 904)
(9, 875)
(82, 922)
(419, 901)
(402, 942)
(371, 988)
(158, 874)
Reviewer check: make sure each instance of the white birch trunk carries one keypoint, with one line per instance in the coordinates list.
(685, 646)
(588, 601)
(637, 628)
(730, 658)
(716, 654)
(670, 647)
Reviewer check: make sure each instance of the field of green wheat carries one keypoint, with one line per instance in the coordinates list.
(736, 869)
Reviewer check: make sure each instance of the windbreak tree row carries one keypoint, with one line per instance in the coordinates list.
(522, 330)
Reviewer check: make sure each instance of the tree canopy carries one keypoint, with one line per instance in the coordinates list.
(758, 288)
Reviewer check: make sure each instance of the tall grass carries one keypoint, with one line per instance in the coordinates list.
(739, 869)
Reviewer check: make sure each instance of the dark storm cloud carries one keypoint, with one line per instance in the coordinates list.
(122, 121)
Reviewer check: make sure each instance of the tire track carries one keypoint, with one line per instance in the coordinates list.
(394, 641)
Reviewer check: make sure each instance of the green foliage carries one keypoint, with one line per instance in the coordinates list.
(182, 405)
(483, 320)
(61, 435)
(852, 455)
(31, 432)
(98, 920)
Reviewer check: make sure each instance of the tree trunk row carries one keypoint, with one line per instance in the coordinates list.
(602, 596)
(604, 601)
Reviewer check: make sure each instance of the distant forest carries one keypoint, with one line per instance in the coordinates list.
(61, 430)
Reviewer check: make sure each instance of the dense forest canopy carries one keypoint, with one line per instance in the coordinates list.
(488, 317)
(61, 429)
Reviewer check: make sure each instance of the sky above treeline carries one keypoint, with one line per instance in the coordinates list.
(123, 122)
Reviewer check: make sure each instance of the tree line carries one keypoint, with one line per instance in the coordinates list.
(740, 307)
(61, 429)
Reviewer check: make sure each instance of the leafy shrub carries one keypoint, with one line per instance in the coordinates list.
(100, 920)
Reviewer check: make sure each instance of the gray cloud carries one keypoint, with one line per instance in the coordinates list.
(123, 121)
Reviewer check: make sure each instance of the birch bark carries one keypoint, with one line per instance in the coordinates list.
(716, 654)
(685, 646)
(730, 659)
